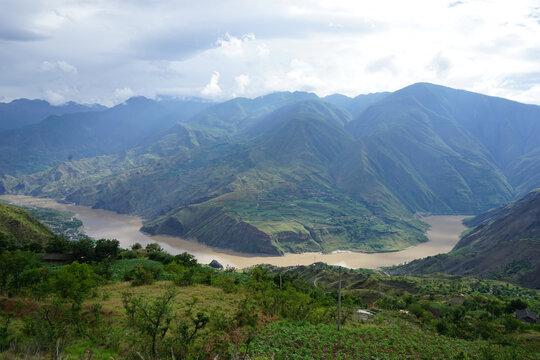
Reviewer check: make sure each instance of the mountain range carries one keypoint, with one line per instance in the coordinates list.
(285, 172)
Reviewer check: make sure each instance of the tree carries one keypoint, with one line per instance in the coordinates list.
(83, 250)
(187, 330)
(186, 259)
(152, 317)
(74, 283)
(12, 266)
(58, 244)
(106, 249)
(153, 247)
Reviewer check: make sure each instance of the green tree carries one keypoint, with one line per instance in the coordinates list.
(153, 247)
(75, 282)
(58, 244)
(106, 249)
(83, 250)
(12, 266)
(186, 259)
(152, 317)
(187, 329)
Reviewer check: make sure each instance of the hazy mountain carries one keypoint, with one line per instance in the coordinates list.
(21, 112)
(271, 194)
(80, 135)
(355, 106)
(505, 244)
(231, 116)
(290, 172)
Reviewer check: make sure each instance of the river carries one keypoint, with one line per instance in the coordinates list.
(443, 235)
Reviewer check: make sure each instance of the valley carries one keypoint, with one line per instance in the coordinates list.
(288, 172)
(443, 235)
(269, 180)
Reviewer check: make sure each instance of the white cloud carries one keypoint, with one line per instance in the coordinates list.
(58, 65)
(212, 89)
(263, 50)
(440, 64)
(233, 46)
(122, 94)
(54, 98)
(324, 46)
(242, 81)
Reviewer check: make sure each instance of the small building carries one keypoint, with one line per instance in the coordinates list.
(527, 316)
(57, 258)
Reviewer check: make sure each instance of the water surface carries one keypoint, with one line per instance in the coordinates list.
(444, 234)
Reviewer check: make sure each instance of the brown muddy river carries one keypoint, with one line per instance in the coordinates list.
(444, 234)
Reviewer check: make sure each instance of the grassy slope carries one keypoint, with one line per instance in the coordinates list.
(393, 334)
(19, 226)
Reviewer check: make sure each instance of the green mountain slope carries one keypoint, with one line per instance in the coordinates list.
(431, 148)
(271, 193)
(18, 227)
(505, 244)
(288, 172)
(284, 200)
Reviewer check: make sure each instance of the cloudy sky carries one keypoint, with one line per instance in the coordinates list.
(105, 51)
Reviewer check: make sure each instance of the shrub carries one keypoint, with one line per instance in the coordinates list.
(181, 275)
(227, 283)
(139, 275)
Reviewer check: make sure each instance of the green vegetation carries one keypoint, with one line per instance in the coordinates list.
(286, 340)
(18, 228)
(287, 172)
(144, 303)
(62, 223)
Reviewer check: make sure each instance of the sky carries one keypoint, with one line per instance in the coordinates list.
(105, 51)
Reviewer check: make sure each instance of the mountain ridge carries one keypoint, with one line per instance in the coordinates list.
(306, 173)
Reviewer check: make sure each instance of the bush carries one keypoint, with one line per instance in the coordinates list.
(139, 275)
(128, 254)
(186, 259)
(74, 282)
(162, 257)
(181, 275)
(204, 275)
(227, 283)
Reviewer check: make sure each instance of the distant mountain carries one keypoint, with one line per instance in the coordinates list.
(504, 244)
(287, 172)
(233, 116)
(355, 106)
(79, 135)
(22, 112)
(19, 227)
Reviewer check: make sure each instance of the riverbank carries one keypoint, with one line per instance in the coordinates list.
(443, 235)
